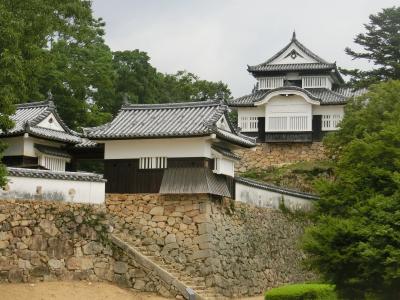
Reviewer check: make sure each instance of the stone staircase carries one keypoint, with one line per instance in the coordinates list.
(168, 273)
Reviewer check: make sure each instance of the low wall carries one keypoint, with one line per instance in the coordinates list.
(270, 154)
(264, 195)
(48, 240)
(50, 185)
(238, 249)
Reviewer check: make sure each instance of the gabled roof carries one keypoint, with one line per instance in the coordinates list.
(28, 116)
(323, 95)
(188, 119)
(319, 63)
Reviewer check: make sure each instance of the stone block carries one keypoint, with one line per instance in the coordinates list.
(15, 275)
(79, 263)
(4, 244)
(40, 271)
(92, 248)
(55, 263)
(21, 231)
(38, 243)
(4, 217)
(201, 254)
(170, 238)
(139, 285)
(201, 218)
(157, 211)
(49, 227)
(120, 267)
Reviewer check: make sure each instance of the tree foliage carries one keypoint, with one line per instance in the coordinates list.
(54, 48)
(381, 44)
(137, 81)
(355, 243)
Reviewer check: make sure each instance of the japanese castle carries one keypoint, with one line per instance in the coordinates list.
(298, 97)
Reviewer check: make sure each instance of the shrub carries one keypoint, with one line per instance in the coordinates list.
(302, 292)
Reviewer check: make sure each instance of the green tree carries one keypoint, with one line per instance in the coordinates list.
(137, 81)
(381, 44)
(355, 242)
(55, 47)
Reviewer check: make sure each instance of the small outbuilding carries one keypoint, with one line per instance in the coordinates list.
(170, 148)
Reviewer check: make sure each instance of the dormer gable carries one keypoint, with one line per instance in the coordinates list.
(50, 122)
(295, 53)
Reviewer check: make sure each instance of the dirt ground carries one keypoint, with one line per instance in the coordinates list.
(75, 291)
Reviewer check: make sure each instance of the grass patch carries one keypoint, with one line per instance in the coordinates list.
(312, 291)
(298, 176)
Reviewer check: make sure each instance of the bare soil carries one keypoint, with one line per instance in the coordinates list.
(70, 291)
(75, 291)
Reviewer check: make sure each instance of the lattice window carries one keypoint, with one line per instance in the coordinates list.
(248, 124)
(331, 122)
(152, 163)
(270, 83)
(315, 82)
(52, 163)
(288, 123)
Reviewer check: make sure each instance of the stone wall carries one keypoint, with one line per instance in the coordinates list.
(48, 240)
(269, 154)
(238, 249)
(168, 227)
(254, 248)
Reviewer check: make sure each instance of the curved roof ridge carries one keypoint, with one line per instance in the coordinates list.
(172, 105)
(34, 104)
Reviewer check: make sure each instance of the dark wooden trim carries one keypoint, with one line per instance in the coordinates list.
(20, 161)
(124, 175)
(261, 129)
(284, 137)
(317, 128)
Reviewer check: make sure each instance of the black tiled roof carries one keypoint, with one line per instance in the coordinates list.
(168, 120)
(323, 95)
(28, 115)
(225, 152)
(52, 151)
(319, 64)
(193, 181)
(35, 173)
(291, 67)
(276, 189)
(303, 48)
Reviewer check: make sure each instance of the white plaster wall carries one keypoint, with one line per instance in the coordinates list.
(257, 111)
(168, 147)
(15, 146)
(293, 104)
(223, 124)
(29, 145)
(328, 110)
(85, 191)
(263, 198)
(53, 125)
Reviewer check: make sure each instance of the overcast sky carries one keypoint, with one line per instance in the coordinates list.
(217, 39)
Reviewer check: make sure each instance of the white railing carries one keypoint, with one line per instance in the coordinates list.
(248, 124)
(331, 122)
(315, 82)
(52, 163)
(288, 123)
(270, 83)
(152, 163)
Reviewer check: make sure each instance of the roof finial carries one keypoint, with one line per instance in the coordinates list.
(294, 35)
